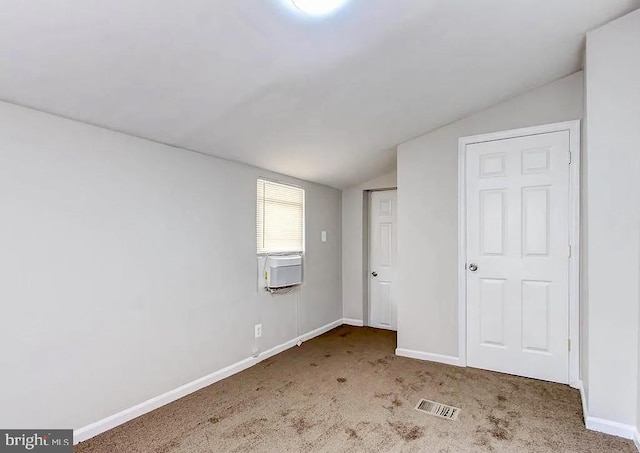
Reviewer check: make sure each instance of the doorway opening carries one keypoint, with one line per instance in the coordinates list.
(381, 259)
(518, 270)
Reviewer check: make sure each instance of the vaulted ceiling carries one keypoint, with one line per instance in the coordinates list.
(320, 98)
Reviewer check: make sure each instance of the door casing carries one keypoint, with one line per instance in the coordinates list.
(573, 127)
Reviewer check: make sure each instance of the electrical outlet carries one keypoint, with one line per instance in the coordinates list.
(258, 330)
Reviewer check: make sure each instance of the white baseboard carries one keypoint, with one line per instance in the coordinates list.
(447, 359)
(92, 430)
(89, 431)
(353, 322)
(321, 330)
(605, 426)
(609, 427)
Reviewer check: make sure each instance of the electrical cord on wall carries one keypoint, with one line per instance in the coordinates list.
(298, 333)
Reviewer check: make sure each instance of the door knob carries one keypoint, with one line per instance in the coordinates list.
(473, 267)
(374, 273)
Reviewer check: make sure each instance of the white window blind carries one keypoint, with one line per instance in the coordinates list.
(280, 217)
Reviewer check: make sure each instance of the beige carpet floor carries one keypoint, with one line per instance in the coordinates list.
(346, 391)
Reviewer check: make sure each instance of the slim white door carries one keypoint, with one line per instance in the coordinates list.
(518, 256)
(382, 259)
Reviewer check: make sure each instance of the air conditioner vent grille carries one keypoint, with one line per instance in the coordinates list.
(438, 409)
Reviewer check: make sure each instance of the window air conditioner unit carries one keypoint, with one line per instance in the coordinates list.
(283, 271)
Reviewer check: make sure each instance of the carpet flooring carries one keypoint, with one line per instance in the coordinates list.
(346, 391)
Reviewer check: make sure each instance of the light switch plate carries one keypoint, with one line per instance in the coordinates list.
(324, 236)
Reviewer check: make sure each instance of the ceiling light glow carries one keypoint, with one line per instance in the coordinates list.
(318, 7)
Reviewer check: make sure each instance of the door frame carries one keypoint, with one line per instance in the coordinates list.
(573, 127)
(366, 262)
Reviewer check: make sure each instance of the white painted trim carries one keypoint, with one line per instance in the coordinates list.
(574, 234)
(574, 260)
(609, 427)
(430, 357)
(89, 431)
(92, 430)
(606, 426)
(353, 322)
(366, 261)
(315, 333)
(522, 132)
(462, 252)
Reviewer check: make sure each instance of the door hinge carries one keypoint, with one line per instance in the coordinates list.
(569, 344)
(569, 251)
(569, 156)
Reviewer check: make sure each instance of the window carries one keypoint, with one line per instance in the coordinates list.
(280, 217)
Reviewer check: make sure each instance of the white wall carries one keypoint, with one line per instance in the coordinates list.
(129, 268)
(355, 246)
(613, 200)
(428, 217)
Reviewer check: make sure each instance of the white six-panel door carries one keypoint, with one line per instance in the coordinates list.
(518, 256)
(382, 259)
